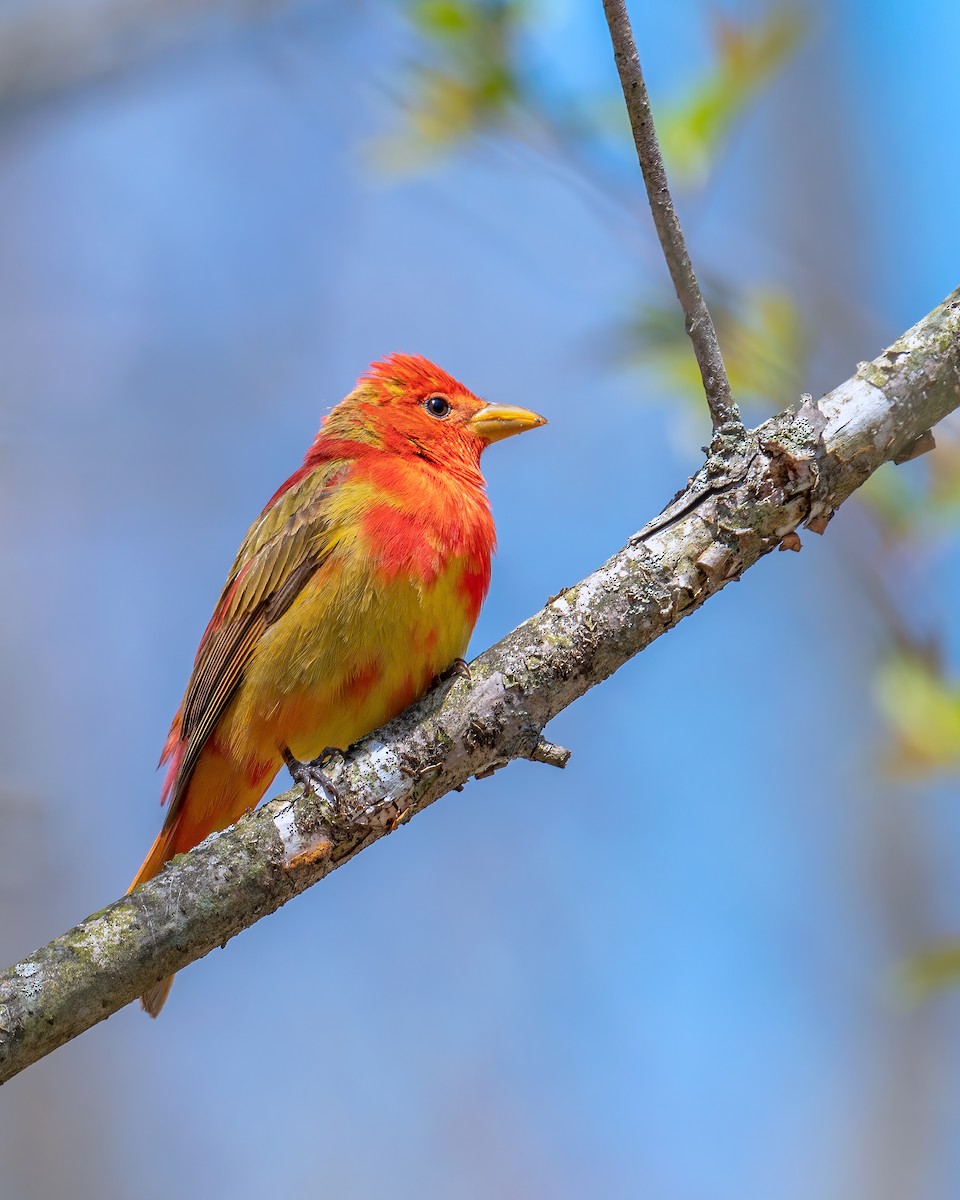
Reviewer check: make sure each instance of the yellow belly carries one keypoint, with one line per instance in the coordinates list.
(345, 657)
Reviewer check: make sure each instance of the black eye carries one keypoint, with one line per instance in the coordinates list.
(437, 406)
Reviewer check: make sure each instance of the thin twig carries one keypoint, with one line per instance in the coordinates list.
(699, 324)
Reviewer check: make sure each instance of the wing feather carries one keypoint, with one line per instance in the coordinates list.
(281, 552)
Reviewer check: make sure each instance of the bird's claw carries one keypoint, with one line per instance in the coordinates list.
(312, 777)
(459, 667)
(328, 754)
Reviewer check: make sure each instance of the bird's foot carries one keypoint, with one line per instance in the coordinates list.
(459, 667)
(328, 754)
(312, 777)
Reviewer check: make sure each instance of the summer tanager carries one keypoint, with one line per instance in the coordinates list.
(360, 582)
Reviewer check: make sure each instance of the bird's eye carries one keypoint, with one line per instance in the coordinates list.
(437, 406)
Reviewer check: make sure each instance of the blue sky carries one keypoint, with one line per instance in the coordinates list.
(662, 972)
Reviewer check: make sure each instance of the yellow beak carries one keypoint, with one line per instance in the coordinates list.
(498, 421)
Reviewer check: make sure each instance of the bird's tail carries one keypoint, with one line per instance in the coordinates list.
(160, 852)
(221, 790)
(155, 997)
(163, 849)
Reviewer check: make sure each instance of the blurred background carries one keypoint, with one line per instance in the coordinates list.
(635, 977)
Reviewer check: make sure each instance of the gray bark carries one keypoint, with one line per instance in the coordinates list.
(699, 324)
(794, 470)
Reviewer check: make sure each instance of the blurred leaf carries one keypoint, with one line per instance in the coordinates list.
(466, 81)
(693, 130)
(468, 78)
(922, 708)
(929, 972)
(896, 504)
(944, 467)
(440, 18)
(760, 332)
(922, 497)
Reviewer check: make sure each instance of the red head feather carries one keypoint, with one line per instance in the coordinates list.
(410, 371)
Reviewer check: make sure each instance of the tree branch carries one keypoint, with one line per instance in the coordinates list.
(797, 467)
(699, 323)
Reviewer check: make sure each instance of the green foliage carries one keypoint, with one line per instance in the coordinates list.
(922, 709)
(926, 973)
(896, 503)
(761, 333)
(922, 499)
(694, 129)
(944, 470)
(468, 78)
(465, 80)
(917, 697)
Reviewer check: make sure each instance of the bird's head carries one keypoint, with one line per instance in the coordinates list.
(407, 405)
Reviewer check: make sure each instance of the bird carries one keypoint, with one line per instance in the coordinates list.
(357, 586)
